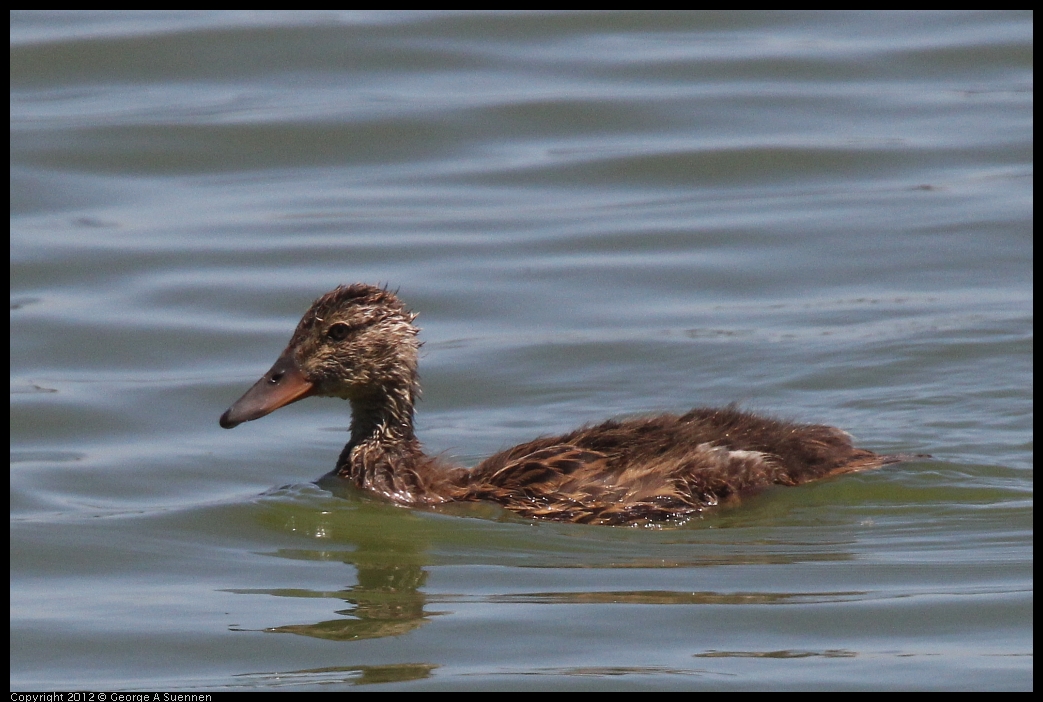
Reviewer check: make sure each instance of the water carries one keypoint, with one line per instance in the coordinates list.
(825, 217)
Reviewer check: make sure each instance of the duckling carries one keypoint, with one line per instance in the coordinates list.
(358, 342)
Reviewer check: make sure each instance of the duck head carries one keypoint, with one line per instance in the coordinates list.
(356, 342)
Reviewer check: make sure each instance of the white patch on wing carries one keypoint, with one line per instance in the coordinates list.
(722, 454)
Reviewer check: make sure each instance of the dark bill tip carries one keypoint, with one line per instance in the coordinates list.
(282, 384)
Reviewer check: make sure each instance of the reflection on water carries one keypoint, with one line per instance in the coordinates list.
(387, 548)
(350, 675)
(386, 600)
(777, 654)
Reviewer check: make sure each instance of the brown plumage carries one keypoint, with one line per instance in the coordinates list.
(358, 342)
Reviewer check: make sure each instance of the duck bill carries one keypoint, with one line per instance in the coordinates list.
(282, 384)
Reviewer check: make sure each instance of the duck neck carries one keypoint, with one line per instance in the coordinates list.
(386, 419)
(383, 446)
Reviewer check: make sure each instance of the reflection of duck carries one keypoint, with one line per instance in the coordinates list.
(358, 342)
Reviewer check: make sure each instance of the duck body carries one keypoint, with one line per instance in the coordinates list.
(359, 342)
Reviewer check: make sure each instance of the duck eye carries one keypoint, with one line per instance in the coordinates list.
(339, 331)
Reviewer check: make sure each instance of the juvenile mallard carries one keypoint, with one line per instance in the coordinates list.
(358, 342)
